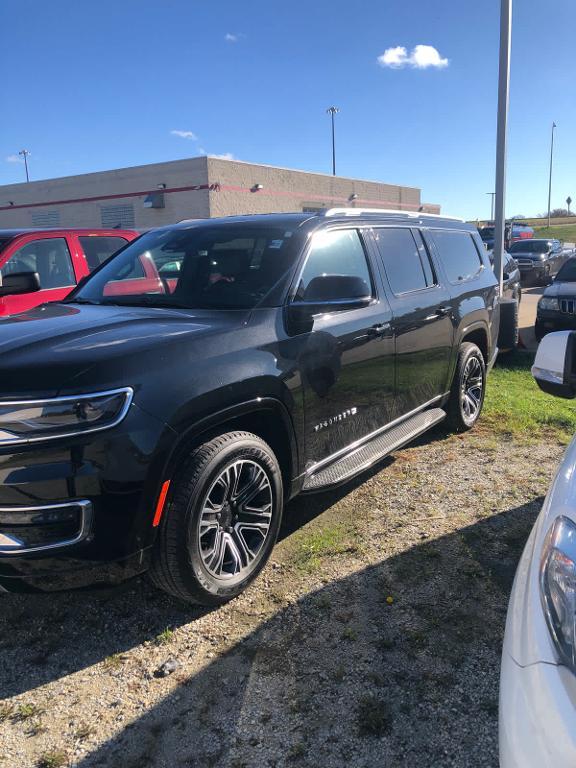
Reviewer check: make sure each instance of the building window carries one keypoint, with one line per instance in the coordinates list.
(119, 216)
(45, 218)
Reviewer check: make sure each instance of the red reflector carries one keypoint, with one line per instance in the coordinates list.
(161, 502)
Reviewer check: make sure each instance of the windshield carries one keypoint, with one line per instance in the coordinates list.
(567, 272)
(222, 266)
(530, 246)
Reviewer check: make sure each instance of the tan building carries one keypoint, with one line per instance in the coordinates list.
(163, 193)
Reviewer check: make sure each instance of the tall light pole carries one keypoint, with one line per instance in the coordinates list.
(550, 177)
(25, 153)
(332, 111)
(502, 134)
(491, 205)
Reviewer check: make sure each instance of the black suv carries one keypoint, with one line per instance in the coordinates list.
(161, 416)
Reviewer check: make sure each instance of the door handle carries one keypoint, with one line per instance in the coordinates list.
(442, 311)
(379, 330)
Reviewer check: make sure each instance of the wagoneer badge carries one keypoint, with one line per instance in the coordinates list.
(333, 419)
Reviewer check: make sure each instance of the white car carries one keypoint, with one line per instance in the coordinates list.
(538, 677)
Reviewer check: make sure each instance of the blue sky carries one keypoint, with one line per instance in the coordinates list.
(91, 86)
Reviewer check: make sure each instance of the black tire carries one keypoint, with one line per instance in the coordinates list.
(539, 332)
(179, 564)
(509, 331)
(459, 420)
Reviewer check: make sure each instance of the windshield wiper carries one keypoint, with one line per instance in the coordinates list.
(144, 301)
(80, 300)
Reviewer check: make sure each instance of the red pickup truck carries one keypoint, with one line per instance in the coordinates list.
(47, 263)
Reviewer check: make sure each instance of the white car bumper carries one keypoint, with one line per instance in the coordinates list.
(537, 716)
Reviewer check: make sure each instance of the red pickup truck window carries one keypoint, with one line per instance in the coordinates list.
(49, 257)
(99, 248)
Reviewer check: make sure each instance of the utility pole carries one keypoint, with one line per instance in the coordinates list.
(332, 111)
(491, 205)
(502, 134)
(25, 153)
(550, 177)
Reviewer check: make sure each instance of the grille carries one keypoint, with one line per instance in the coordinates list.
(568, 306)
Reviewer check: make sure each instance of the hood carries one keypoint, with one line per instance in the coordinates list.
(42, 350)
(531, 256)
(561, 289)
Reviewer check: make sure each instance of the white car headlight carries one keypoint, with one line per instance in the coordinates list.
(548, 302)
(27, 421)
(558, 587)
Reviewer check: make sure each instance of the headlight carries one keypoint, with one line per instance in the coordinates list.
(558, 587)
(31, 420)
(547, 302)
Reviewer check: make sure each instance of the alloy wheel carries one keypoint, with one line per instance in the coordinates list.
(235, 519)
(471, 390)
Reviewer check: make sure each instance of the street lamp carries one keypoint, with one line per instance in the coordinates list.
(491, 205)
(332, 111)
(550, 177)
(25, 153)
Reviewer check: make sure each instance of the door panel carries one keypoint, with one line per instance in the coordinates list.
(49, 255)
(422, 317)
(347, 360)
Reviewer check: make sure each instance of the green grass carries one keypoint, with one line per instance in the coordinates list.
(311, 546)
(565, 232)
(515, 405)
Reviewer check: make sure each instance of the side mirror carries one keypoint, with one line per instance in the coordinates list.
(327, 293)
(20, 282)
(505, 276)
(555, 364)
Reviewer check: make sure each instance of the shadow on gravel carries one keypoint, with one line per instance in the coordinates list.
(339, 678)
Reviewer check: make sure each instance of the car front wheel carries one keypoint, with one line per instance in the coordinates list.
(221, 520)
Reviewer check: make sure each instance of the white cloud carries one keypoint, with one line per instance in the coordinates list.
(14, 159)
(225, 156)
(420, 57)
(184, 135)
(230, 38)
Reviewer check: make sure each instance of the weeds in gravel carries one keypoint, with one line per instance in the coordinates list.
(515, 405)
(25, 712)
(6, 711)
(312, 546)
(114, 661)
(84, 731)
(373, 716)
(53, 759)
(165, 637)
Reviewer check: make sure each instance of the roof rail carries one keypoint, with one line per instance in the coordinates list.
(408, 214)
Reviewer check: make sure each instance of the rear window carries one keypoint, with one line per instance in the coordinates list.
(459, 254)
(98, 248)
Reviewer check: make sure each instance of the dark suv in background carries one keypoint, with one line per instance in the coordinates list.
(161, 423)
(538, 260)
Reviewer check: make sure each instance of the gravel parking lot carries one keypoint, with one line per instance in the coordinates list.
(372, 638)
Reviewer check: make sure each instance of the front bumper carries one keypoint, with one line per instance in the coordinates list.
(537, 727)
(78, 512)
(535, 271)
(553, 320)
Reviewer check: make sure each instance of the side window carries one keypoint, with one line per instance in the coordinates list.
(98, 249)
(402, 260)
(458, 253)
(49, 257)
(336, 252)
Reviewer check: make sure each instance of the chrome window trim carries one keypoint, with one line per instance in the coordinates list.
(85, 526)
(127, 391)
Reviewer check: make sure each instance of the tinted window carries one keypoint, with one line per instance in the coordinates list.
(567, 272)
(334, 252)
(458, 253)
(49, 257)
(530, 246)
(98, 249)
(211, 266)
(402, 261)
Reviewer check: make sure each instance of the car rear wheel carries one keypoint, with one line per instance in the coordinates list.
(221, 520)
(468, 388)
